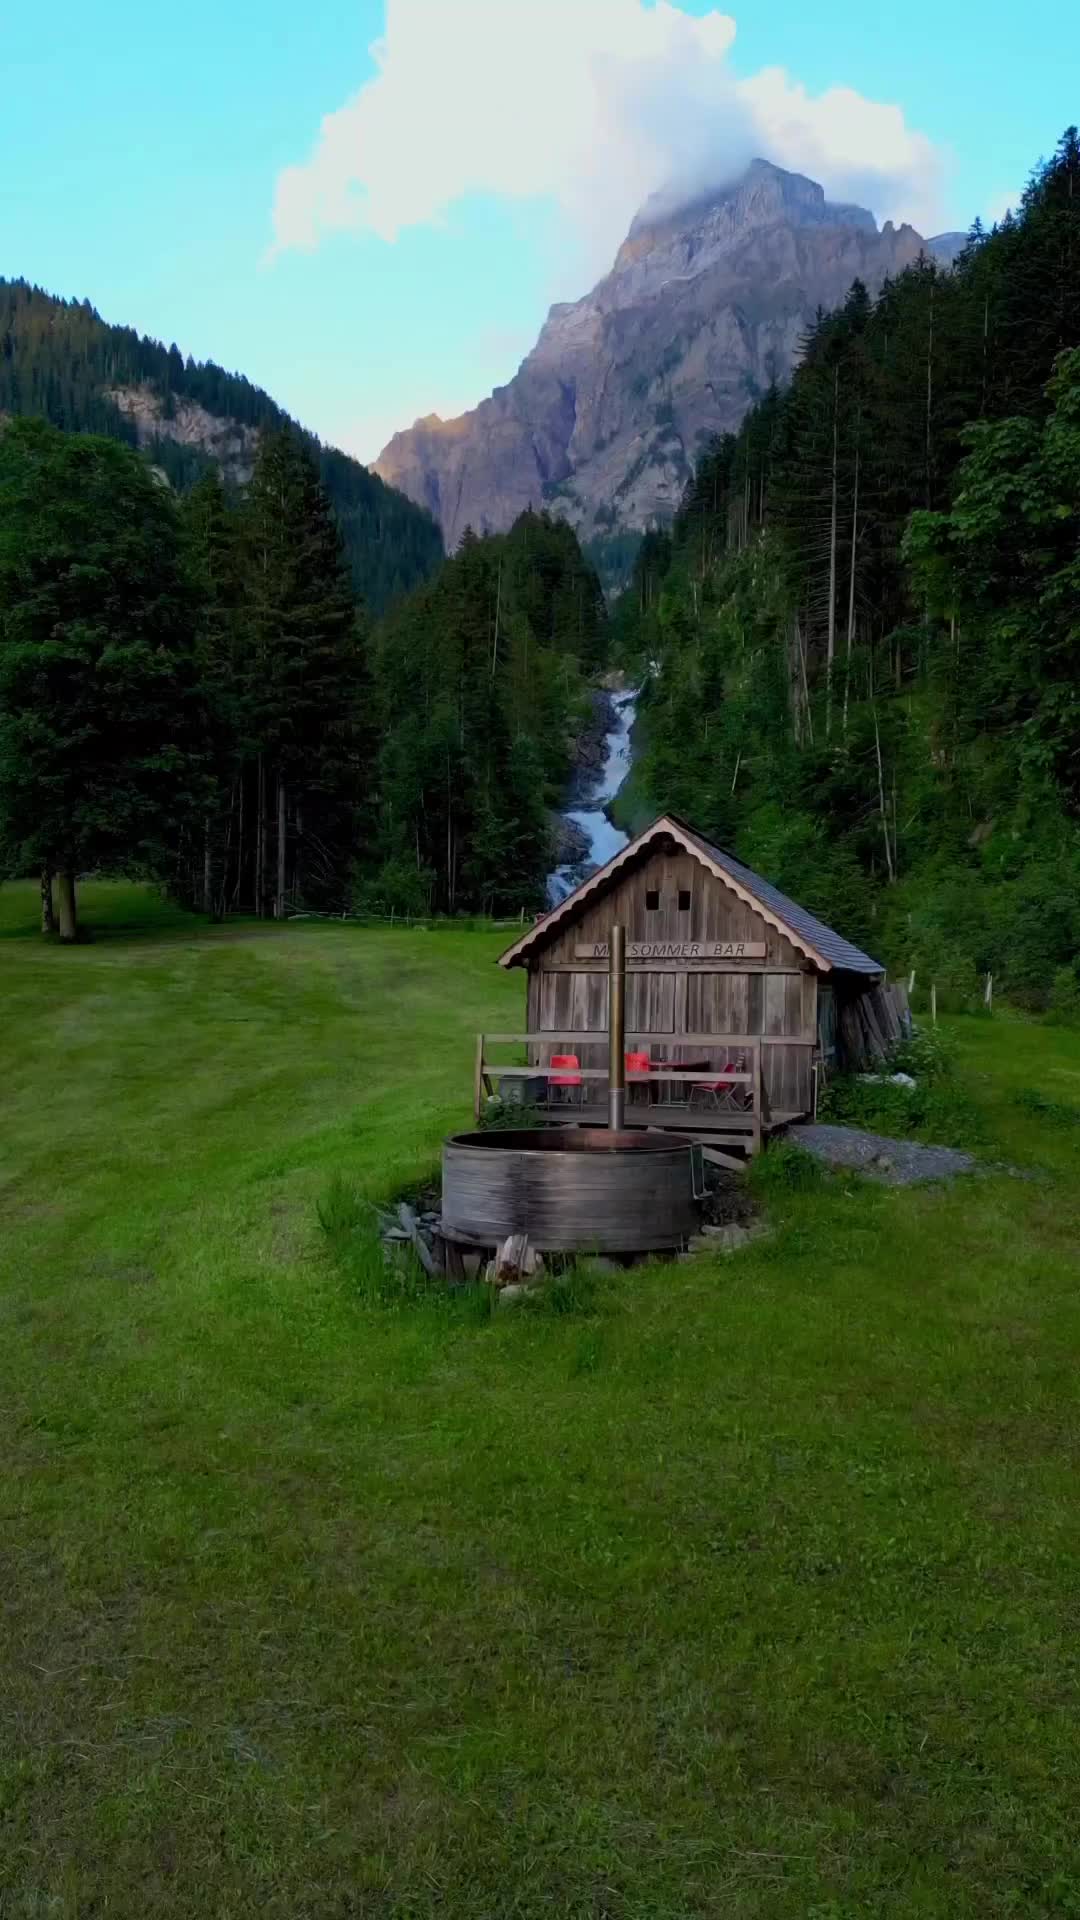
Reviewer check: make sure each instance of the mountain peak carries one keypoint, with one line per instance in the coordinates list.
(704, 309)
(761, 195)
(947, 247)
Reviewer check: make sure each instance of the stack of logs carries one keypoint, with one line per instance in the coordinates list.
(872, 1026)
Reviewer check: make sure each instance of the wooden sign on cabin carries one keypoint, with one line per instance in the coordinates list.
(640, 952)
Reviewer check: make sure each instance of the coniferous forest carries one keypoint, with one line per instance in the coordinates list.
(859, 642)
(191, 690)
(861, 638)
(59, 360)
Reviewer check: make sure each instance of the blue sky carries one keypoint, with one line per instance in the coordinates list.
(168, 164)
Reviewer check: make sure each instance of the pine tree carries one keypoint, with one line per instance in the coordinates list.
(102, 727)
(302, 672)
(212, 557)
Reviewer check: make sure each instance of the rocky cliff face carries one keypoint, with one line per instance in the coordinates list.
(703, 309)
(231, 444)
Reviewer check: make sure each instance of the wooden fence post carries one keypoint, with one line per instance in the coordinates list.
(988, 996)
(933, 1003)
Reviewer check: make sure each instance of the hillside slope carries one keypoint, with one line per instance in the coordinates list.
(60, 359)
(704, 308)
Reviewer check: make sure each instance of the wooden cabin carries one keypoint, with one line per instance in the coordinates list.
(723, 972)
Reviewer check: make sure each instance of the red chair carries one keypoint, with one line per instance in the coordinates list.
(564, 1079)
(637, 1071)
(731, 1096)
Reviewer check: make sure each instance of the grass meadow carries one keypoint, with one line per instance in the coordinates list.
(750, 1588)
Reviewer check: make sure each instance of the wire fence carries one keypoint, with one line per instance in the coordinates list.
(420, 922)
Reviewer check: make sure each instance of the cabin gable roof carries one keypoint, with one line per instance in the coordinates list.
(823, 947)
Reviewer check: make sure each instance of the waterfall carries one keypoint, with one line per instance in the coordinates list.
(604, 839)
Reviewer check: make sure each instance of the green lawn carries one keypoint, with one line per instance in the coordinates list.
(755, 1592)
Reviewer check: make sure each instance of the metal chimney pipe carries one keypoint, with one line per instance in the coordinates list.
(617, 1030)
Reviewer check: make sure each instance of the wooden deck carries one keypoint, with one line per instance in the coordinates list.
(736, 1130)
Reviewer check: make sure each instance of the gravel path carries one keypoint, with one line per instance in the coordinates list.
(898, 1163)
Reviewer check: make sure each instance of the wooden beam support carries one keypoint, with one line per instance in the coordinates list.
(726, 1160)
(598, 1038)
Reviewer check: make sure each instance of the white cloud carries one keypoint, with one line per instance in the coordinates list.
(1000, 204)
(859, 149)
(591, 103)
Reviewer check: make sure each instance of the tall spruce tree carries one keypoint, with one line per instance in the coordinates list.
(212, 558)
(102, 759)
(305, 714)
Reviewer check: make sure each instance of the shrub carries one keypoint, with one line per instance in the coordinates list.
(1065, 998)
(927, 1054)
(785, 1168)
(399, 887)
(938, 1111)
(501, 1116)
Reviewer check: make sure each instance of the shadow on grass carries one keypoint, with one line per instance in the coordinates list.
(108, 911)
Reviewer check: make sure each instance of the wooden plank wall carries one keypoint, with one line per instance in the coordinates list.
(715, 913)
(775, 998)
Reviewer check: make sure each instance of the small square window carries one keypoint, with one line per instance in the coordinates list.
(652, 902)
(684, 899)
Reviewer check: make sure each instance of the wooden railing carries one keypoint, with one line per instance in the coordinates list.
(740, 1124)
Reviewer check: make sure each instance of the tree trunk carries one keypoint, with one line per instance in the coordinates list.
(68, 911)
(48, 916)
(851, 590)
(260, 842)
(930, 405)
(985, 352)
(831, 639)
(279, 896)
(881, 803)
(240, 839)
(807, 714)
(207, 872)
(221, 903)
(498, 611)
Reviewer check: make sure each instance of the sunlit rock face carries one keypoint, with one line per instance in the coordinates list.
(704, 308)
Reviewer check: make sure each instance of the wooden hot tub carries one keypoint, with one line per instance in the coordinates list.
(574, 1189)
